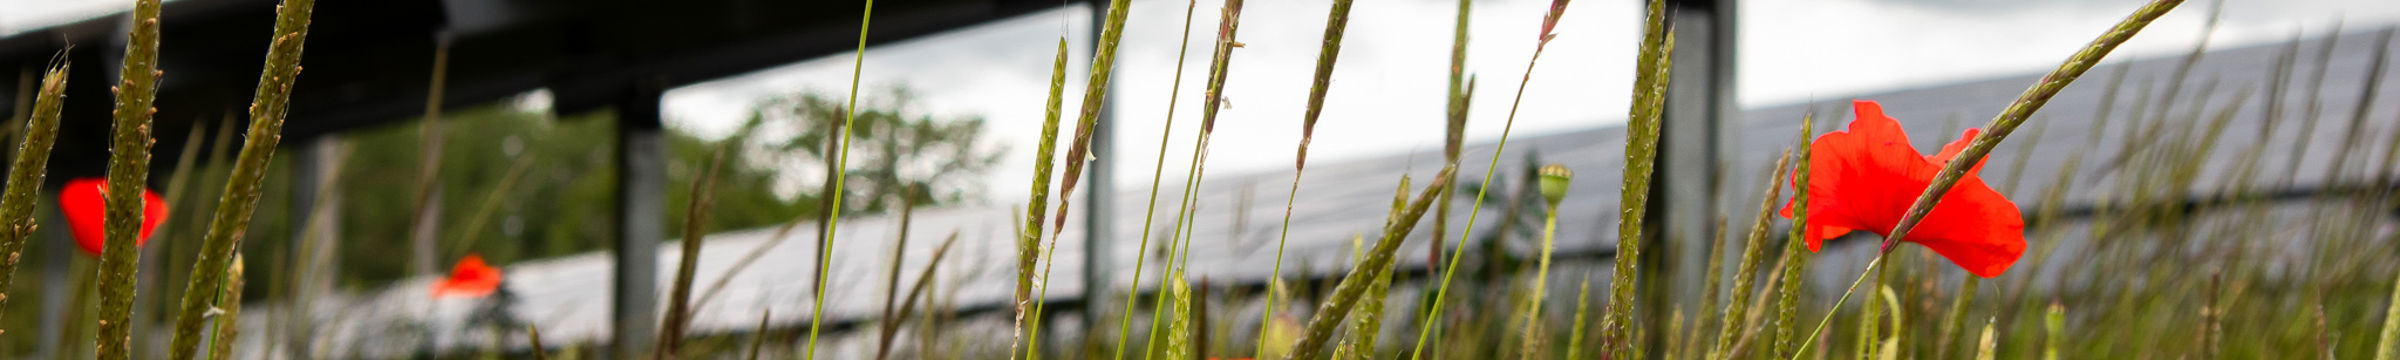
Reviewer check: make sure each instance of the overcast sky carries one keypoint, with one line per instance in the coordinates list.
(1387, 92)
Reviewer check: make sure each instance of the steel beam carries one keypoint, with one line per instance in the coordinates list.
(641, 220)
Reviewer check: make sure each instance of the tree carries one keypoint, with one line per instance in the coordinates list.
(893, 146)
(563, 202)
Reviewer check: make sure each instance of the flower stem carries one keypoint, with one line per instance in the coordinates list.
(1474, 212)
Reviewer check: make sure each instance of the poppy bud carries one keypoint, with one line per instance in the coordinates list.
(1554, 183)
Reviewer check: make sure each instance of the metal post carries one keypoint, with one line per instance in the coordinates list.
(1692, 148)
(1100, 200)
(641, 185)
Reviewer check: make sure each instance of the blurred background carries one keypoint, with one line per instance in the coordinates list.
(569, 132)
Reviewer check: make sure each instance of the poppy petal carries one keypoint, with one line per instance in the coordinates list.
(1862, 177)
(85, 204)
(1868, 175)
(471, 277)
(1952, 149)
(1817, 234)
(1974, 227)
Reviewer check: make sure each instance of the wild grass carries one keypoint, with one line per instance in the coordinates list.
(242, 187)
(424, 247)
(26, 172)
(679, 298)
(1549, 21)
(1329, 315)
(1735, 317)
(2239, 305)
(128, 168)
(1095, 93)
(1336, 21)
(1150, 209)
(1029, 235)
(1212, 101)
(1795, 249)
(1641, 149)
(221, 344)
(841, 166)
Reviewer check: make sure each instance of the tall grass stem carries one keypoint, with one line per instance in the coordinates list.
(243, 186)
(1150, 211)
(1335, 22)
(841, 169)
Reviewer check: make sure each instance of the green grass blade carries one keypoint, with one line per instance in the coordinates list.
(695, 224)
(128, 171)
(533, 336)
(1450, 267)
(1984, 348)
(1029, 236)
(2316, 87)
(25, 174)
(1795, 270)
(1641, 149)
(1751, 256)
(1953, 322)
(1455, 131)
(1575, 335)
(2388, 348)
(1079, 153)
(2024, 107)
(1125, 322)
(1711, 295)
(229, 324)
(1228, 25)
(1335, 22)
(841, 169)
(1329, 315)
(2054, 322)
(242, 188)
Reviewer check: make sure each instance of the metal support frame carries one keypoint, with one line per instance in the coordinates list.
(1100, 205)
(1700, 111)
(641, 220)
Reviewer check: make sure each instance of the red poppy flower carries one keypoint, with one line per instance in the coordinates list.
(84, 204)
(470, 278)
(1866, 178)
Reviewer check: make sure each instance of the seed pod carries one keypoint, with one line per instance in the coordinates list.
(1554, 183)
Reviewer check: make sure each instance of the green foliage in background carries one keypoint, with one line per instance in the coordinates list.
(563, 204)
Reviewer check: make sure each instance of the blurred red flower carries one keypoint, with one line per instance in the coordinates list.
(470, 278)
(1866, 178)
(83, 201)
